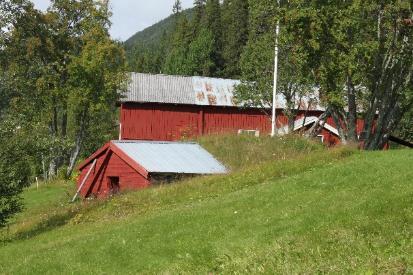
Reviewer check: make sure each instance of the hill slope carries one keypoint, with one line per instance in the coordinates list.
(153, 34)
(300, 209)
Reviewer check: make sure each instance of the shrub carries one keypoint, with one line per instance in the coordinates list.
(14, 175)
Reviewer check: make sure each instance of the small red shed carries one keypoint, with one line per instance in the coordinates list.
(128, 165)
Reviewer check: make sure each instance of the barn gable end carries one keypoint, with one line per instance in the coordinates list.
(110, 166)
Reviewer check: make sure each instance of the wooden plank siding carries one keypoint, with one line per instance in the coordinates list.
(98, 181)
(169, 122)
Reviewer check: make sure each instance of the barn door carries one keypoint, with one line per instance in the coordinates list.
(114, 186)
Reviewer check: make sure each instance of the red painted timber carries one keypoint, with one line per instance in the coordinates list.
(110, 164)
(129, 161)
(154, 121)
(95, 155)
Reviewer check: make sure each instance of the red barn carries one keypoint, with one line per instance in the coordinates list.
(158, 109)
(128, 165)
(170, 108)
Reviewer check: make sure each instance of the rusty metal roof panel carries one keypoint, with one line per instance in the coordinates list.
(214, 91)
(171, 157)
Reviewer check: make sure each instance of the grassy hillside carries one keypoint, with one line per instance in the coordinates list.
(289, 206)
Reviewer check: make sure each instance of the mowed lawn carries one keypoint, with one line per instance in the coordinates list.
(335, 211)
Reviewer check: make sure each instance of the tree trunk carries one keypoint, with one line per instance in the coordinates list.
(52, 169)
(291, 122)
(352, 112)
(306, 112)
(78, 144)
(64, 124)
(44, 169)
(338, 121)
(289, 95)
(74, 156)
(387, 122)
(316, 128)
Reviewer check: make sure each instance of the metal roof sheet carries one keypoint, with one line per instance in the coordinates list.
(180, 90)
(159, 88)
(214, 91)
(195, 90)
(300, 123)
(171, 157)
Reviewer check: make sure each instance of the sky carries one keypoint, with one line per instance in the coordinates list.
(131, 16)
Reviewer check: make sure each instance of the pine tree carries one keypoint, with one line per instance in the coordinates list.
(176, 60)
(213, 23)
(199, 15)
(177, 8)
(199, 55)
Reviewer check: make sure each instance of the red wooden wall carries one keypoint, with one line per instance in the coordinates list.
(163, 122)
(224, 120)
(110, 166)
(173, 122)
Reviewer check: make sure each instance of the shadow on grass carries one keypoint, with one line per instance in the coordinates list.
(71, 213)
(52, 222)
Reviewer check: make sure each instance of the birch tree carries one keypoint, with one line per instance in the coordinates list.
(67, 73)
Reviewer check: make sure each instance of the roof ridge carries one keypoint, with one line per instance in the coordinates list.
(185, 76)
(153, 141)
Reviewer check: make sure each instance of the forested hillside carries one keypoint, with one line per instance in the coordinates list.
(145, 50)
(152, 35)
(206, 40)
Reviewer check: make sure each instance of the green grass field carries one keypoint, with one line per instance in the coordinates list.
(289, 206)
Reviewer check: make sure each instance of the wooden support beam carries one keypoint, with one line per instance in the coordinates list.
(98, 173)
(84, 180)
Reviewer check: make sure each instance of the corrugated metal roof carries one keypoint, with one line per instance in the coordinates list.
(214, 91)
(180, 90)
(159, 88)
(171, 157)
(196, 90)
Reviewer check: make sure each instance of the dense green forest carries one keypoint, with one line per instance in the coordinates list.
(206, 40)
